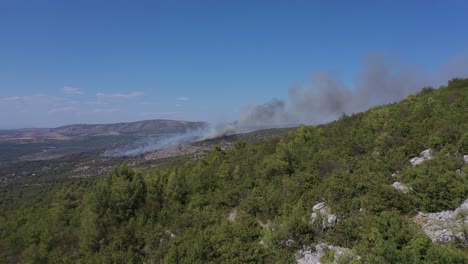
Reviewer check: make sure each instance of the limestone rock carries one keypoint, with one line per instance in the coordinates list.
(331, 220)
(232, 216)
(423, 156)
(445, 226)
(309, 256)
(401, 187)
(318, 206)
(324, 211)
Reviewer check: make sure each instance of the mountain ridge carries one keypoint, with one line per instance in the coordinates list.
(137, 128)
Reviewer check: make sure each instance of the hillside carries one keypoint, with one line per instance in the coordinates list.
(93, 161)
(362, 189)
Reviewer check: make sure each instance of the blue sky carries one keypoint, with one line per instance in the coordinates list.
(65, 62)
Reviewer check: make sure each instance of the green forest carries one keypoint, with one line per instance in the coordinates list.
(253, 203)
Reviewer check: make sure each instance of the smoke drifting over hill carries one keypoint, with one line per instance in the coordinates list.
(155, 143)
(326, 97)
(380, 81)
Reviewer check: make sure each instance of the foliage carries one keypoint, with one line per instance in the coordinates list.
(253, 203)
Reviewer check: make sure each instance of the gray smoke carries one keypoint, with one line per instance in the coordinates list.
(272, 113)
(456, 66)
(156, 143)
(380, 81)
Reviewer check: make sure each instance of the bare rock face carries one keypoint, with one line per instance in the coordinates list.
(446, 226)
(318, 206)
(423, 156)
(232, 216)
(321, 210)
(465, 158)
(308, 256)
(401, 187)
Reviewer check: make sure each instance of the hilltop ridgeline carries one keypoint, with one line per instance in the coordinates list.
(139, 128)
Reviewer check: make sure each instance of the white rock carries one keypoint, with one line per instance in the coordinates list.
(465, 158)
(313, 216)
(416, 161)
(445, 226)
(462, 207)
(289, 242)
(318, 206)
(328, 219)
(306, 256)
(232, 216)
(331, 220)
(401, 187)
(426, 154)
(423, 156)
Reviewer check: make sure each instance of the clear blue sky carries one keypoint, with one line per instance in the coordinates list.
(65, 62)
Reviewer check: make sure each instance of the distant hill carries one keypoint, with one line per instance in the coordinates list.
(139, 128)
(50, 143)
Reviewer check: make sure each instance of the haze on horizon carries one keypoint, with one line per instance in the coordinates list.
(260, 63)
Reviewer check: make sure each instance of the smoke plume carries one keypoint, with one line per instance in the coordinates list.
(325, 98)
(379, 81)
(156, 143)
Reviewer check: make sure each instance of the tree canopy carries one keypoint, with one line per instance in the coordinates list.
(253, 203)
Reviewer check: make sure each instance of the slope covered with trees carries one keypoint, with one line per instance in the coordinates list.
(253, 203)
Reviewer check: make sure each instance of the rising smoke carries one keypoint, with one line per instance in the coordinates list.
(380, 81)
(156, 143)
(326, 97)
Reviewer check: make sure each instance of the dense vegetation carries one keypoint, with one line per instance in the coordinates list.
(253, 203)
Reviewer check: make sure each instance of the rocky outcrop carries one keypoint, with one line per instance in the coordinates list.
(401, 187)
(465, 158)
(232, 216)
(446, 226)
(423, 156)
(323, 212)
(340, 254)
